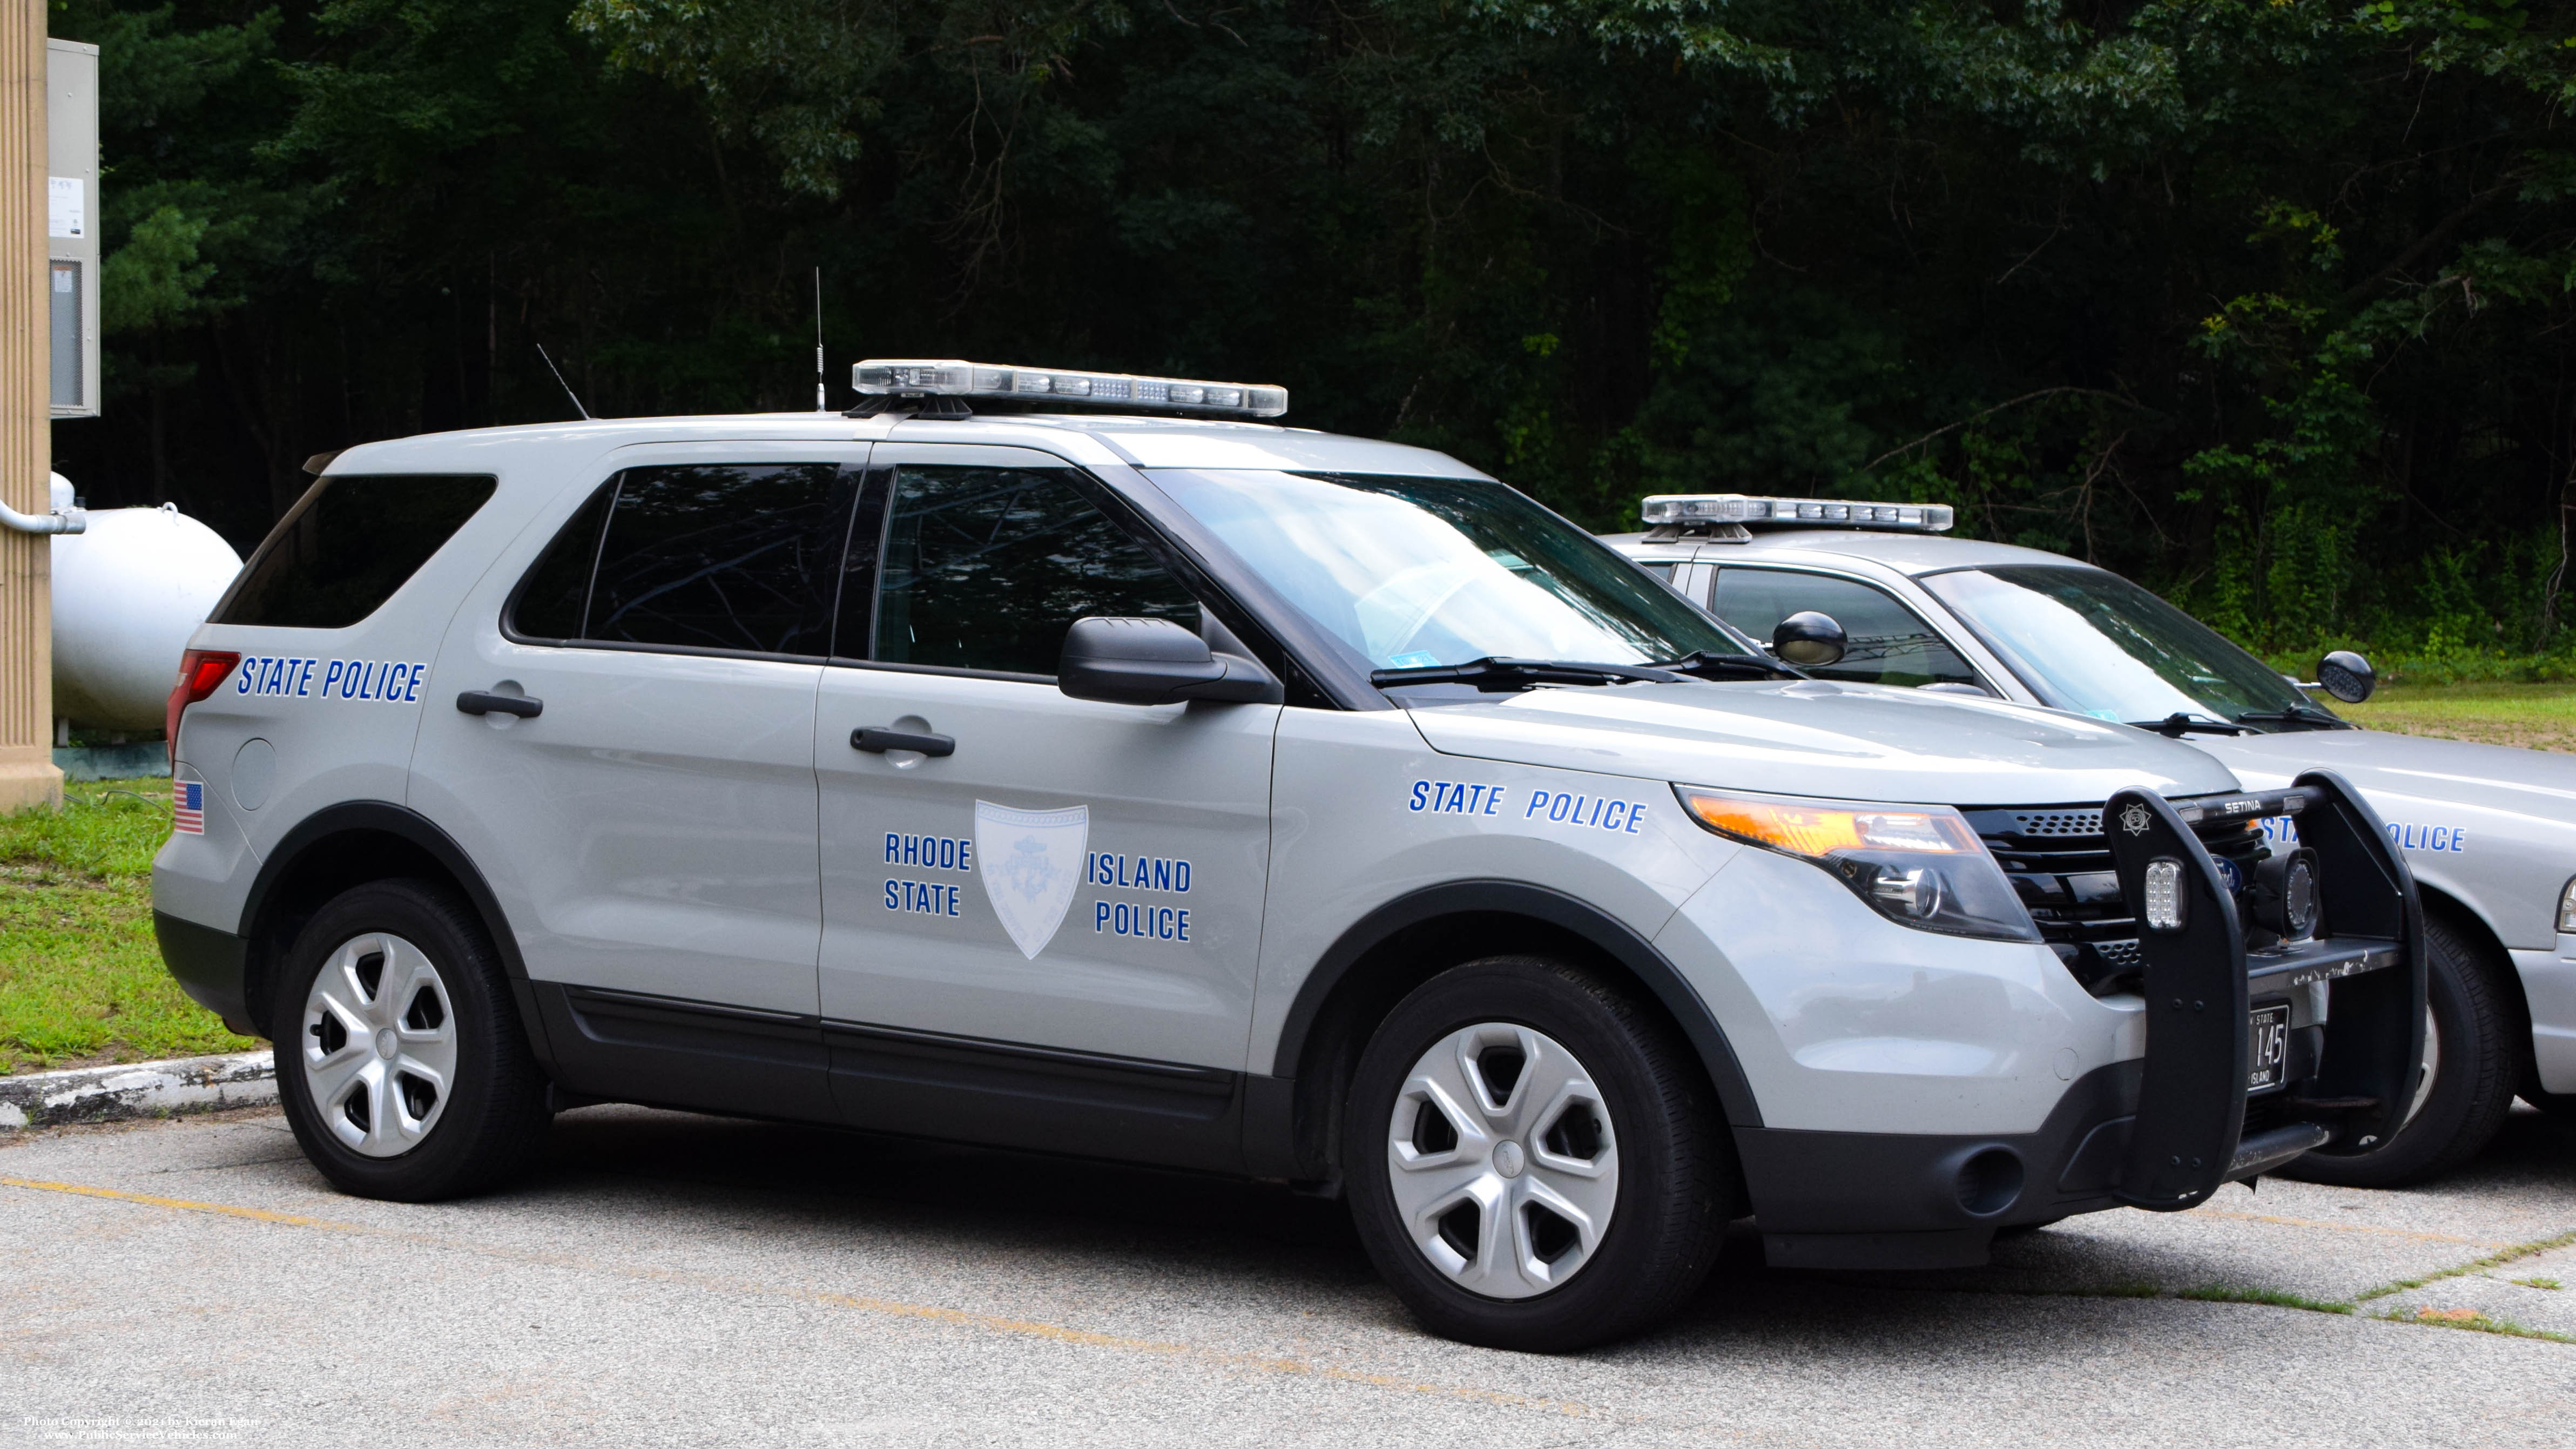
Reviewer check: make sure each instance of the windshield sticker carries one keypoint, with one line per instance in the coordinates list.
(1032, 867)
(1453, 797)
(1590, 812)
(387, 681)
(2446, 838)
(1418, 659)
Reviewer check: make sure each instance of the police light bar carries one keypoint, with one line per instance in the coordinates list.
(907, 377)
(1679, 509)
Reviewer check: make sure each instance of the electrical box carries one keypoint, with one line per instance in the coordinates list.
(71, 223)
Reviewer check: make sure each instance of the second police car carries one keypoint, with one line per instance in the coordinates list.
(2489, 832)
(1196, 791)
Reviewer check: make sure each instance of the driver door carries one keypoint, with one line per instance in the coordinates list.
(1045, 934)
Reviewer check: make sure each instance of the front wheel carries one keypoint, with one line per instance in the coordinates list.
(1534, 1159)
(401, 1062)
(2472, 1063)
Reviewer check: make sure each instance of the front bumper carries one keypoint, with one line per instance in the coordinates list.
(2162, 1131)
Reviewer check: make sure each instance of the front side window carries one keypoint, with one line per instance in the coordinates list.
(726, 557)
(985, 568)
(1421, 572)
(2094, 643)
(1887, 643)
(347, 544)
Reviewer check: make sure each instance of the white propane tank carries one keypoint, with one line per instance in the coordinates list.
(127, 594)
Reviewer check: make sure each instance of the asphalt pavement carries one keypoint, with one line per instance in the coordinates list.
(679, 1280)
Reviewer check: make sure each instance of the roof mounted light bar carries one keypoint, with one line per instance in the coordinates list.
(892, 378)
(1683, 510)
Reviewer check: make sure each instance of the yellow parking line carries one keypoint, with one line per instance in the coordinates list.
(888, 1307)
(2287, 1222)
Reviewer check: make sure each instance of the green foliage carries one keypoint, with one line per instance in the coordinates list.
(2264, 303)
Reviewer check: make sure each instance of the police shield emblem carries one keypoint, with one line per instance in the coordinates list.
(1031, 862)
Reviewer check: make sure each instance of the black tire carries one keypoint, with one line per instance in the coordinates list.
(2480, 1066)
(492, 1115)
(1675, 1170)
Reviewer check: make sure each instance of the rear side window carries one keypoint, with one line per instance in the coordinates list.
(737, 558)
(347, 544)
(986, 568)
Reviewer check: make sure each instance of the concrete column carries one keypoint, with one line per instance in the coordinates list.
(27, 773)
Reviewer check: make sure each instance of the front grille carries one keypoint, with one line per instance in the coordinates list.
(2061, 867)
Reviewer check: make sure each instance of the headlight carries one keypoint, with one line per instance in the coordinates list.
(1918, 865)
(2567, 910)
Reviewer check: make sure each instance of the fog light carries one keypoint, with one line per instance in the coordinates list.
(2164, 895)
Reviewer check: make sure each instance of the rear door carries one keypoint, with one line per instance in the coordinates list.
(651, 829)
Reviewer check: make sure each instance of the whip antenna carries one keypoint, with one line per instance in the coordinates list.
(559, 381)
(821, 405)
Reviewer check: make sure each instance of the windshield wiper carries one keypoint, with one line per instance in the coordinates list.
(2176, 724)
(2304, 714)
(1709, 664)
(1495, 675)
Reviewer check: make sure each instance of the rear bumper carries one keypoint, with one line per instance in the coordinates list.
(209, 965)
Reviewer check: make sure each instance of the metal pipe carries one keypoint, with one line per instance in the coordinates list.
(63, 520)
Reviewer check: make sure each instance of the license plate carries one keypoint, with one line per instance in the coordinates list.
(2267, 1048)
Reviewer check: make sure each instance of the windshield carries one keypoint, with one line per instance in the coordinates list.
(2094, 643)
(1417, 572)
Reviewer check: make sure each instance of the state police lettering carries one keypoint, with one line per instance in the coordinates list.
(926, 852)
(1117, 871)
(382, 681)
(2449, 838)
(1590, 812)
(1455, 797)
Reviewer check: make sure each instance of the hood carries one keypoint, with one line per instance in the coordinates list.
(2536, 783)
(1811, 737)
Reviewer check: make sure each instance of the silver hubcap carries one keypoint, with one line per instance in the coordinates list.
(379, 1044)
(1502, 1161)
(2432, 1064)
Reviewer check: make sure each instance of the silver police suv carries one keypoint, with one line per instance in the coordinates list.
(2490, 832)
(1169, 786)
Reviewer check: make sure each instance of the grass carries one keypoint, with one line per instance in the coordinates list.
(81, 980)
(2535, 716)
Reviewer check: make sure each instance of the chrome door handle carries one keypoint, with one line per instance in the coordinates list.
(876, 740)
(477, 701)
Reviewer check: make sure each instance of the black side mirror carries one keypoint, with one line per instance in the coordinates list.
(1809, 639)
(1155, 661)
(2347, 676)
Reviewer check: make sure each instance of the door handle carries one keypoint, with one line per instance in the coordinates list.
(876, 740)
(477, 701)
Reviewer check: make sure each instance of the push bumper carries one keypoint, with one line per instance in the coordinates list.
(2164, 1131)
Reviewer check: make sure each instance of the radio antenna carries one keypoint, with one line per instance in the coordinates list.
(821, 403)
(559, 381)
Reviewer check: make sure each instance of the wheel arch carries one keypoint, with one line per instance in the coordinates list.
(1396, 947)
(347, 845)
(2463, 918)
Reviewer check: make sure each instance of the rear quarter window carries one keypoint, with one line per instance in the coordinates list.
(347, 545)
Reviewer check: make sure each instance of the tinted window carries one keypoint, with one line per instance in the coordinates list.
(740, 557)
(985, 568)
(1889, 644)
(347, 544)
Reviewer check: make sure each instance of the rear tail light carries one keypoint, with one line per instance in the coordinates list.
(200, 670)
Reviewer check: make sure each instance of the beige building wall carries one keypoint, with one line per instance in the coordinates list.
(27, 773)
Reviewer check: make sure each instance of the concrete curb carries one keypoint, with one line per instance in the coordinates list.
(137, 1089)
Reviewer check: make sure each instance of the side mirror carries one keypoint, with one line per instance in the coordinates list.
(1809, 639)
(1155, 661)
(2347, 676)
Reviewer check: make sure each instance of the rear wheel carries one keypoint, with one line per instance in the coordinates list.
(2472, 1063)
(401, 1062)
(1533, 1158)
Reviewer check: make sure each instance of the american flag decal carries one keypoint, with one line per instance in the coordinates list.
(188, 807)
